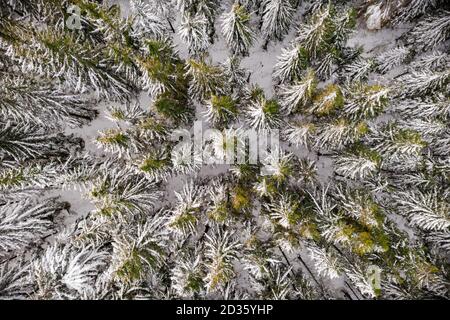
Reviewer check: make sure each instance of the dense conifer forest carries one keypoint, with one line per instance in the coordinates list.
(107, 191)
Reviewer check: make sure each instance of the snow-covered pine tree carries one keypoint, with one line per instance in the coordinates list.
(237, 76)
(204, 8)
(397, 144)
(318, 33)
(22, 141)
(25, 223)
(379, 13)
(419, 83)
(366, 101)
(425, 210)
(185, 215)
(66, 272)
(23, 98)
(340, 133)
(284, 212)
(140, 250)
(221, 109)
(45, 52)
(291, 63)
(206, 79)
(147, 21)
(279, 167)
(359, 162)
(327, 264)
(327, 101)
(186, 160)
(277, 283)
(319, 44)
(221, 250)
(300, 133)
(435, 60)
(187, 278)
(194, 33)
(14, 280)
(392, 58)
(28, 179)
(263, 114)
(298, 94)
(359, 69)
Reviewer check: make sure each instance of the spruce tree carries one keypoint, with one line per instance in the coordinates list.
(104, 194)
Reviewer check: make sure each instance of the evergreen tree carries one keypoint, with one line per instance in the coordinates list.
(206, 79)
(221, 109)
(185, 215)
(139, 250)
(237, 76)
(370, 192)
(27, 99)
(63, 272)
(263, 114)
(432, 31)
(147, 21)
(298, 94)
(291, 64)
(25, 223)
(221, 251)
(194, 33)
